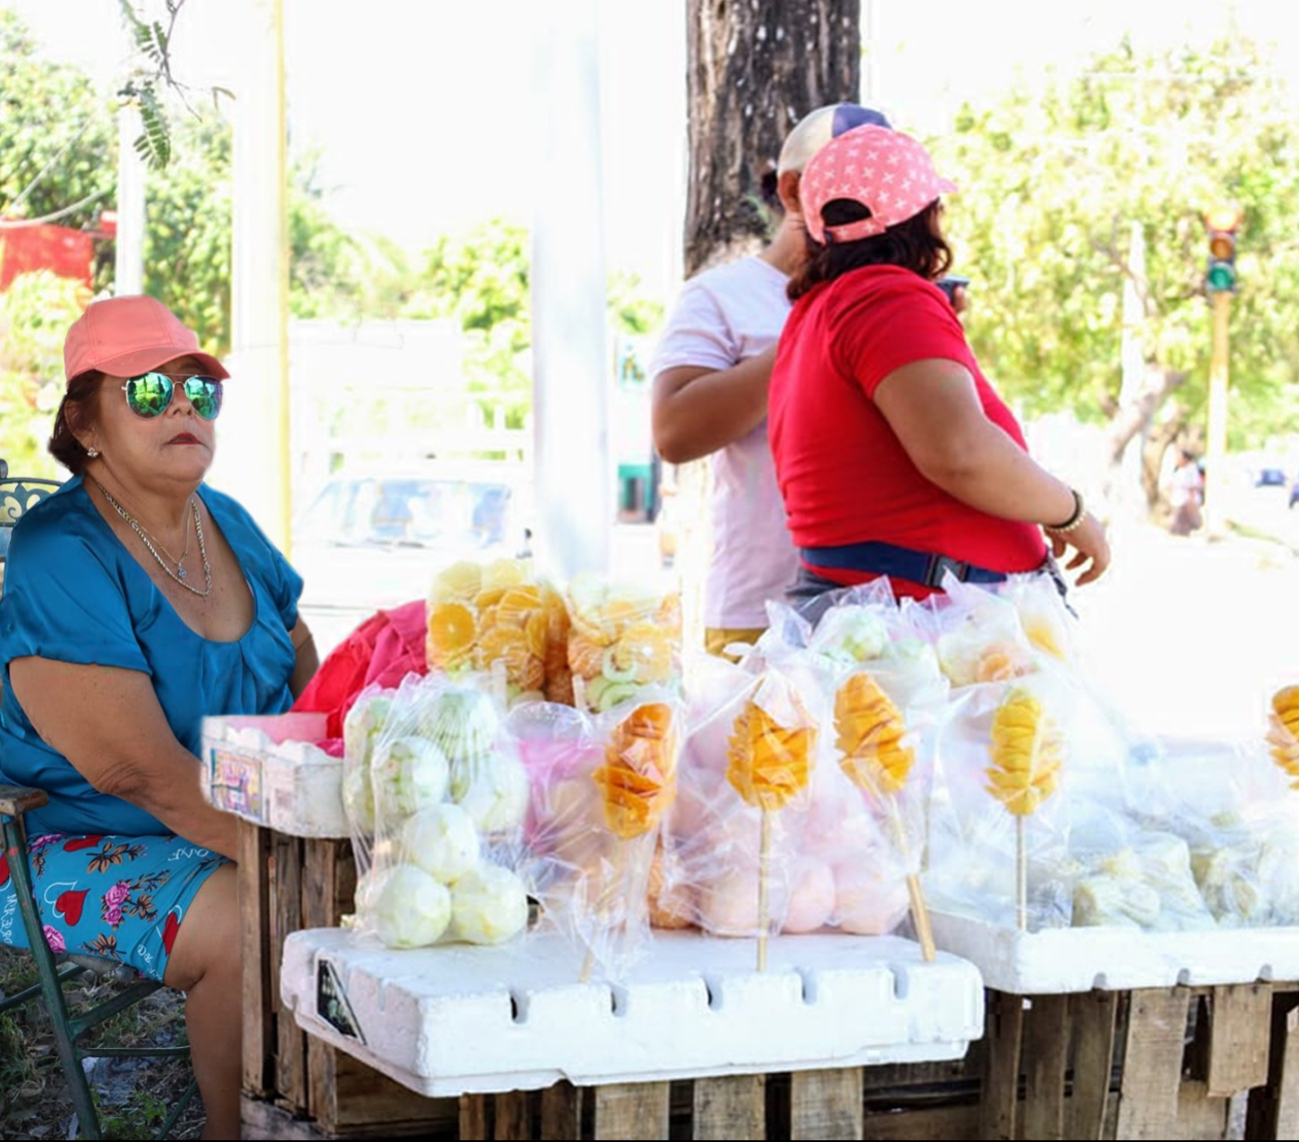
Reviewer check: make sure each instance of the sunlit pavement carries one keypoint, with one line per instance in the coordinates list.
(1185, 636)
(1188, 636)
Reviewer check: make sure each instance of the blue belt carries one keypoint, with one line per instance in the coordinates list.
(898, 563)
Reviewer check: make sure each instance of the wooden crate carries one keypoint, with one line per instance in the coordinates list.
(294, 1083)
(1181, 1062)
(1205, 1062)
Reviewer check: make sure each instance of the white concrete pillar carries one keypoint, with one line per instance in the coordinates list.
(253, 453)
(575, 476)
(128, 244)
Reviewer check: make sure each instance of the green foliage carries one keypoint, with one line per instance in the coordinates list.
(153, 43)
(56, 135)
(35, 312)
(1050, 184)
(187, 230)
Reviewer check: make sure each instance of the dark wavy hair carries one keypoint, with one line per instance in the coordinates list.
(916, 244)
(77, 410)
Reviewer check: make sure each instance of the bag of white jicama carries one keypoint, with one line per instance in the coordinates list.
(445, 806)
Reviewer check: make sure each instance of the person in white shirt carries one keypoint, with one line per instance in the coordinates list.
(710, 373)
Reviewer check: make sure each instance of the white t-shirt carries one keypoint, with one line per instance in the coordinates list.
(724, 316)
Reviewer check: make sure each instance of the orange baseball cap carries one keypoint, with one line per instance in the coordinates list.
(128, 336)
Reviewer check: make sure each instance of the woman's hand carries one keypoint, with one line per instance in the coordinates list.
(1090, 546)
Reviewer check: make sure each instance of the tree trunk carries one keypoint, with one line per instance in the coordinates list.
(1131, 421)
(754, 68)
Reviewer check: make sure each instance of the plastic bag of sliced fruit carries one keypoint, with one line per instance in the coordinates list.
(786, 819)
(437, 798)
(503, 616)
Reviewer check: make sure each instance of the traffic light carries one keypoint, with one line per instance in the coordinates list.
(1222, 223)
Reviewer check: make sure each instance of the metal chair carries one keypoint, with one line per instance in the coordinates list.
(16, 497)
(54, 971)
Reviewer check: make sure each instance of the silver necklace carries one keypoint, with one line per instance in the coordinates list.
(184, 554)
(144, 538)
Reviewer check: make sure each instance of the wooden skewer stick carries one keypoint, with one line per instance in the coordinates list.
(764, 877)
(1021, 873)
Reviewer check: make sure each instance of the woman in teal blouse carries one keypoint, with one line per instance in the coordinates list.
(136, 601)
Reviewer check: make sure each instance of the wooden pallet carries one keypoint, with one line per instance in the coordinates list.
(287, 884)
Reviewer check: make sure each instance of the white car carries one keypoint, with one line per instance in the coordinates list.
(371, 540)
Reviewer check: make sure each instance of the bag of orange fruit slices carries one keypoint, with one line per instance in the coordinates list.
(501, 616)
(623, 637)
(612, 777)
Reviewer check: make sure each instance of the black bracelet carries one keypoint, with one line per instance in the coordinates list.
(1075, 520)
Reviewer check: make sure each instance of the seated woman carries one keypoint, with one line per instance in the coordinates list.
(136, 601)
(893, 453)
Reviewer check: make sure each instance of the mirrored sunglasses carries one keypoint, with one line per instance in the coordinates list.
(150, 394)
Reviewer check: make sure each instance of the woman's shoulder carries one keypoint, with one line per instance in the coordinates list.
(882, 282)
(236, 522)
(61, 523)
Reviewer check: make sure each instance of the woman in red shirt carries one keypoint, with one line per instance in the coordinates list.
(893, 453)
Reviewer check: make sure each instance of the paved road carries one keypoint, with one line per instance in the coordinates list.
(1190, 636)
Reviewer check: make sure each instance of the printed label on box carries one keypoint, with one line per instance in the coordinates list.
(236, 784)
(332, 1004)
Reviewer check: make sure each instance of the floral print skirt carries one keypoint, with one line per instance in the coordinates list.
(119, 897)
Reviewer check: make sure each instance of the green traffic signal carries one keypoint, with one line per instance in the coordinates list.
(1221, 277)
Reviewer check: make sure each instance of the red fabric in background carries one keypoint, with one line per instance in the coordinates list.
(65, 252)
(381, 651)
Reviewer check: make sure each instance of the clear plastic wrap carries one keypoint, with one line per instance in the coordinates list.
(601, 786)
(833, 862)
(999, 830)
(623, 637)
(447, 805)
(1239, 818)
(1128, 873)
(503, 612)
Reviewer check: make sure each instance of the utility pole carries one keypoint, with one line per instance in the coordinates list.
(258, 470)
(1222, 223)
(128, 244)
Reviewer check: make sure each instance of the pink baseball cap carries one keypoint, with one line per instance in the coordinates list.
(127, 336)
(889, 173)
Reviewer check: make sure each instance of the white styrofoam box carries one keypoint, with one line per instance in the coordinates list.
(458, 1019)
(1061, 960)
(266, 770)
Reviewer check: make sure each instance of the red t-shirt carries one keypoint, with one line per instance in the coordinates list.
(844, 475)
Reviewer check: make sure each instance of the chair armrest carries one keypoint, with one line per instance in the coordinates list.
(15, 800)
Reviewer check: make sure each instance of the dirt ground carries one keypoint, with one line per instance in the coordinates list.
(134, 1096)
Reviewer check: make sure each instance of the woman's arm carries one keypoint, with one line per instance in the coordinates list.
(933, 407)
(108, 723)
(308, 658)
(696, 410)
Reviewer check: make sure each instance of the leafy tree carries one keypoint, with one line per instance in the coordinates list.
(1050, 186)
(57, 141)
(35, 312)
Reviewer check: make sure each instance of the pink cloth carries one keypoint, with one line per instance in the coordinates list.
(385, 648)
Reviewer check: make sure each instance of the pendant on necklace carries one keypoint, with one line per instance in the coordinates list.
(181, 573)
